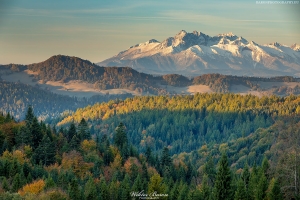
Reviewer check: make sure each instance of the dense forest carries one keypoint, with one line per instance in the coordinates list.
(185, 123)
(16, 97)
(39, 161)
(247, 128)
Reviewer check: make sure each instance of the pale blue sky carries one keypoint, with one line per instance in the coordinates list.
(34, 30)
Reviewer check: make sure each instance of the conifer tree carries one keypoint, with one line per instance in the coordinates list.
(29, 116)
(5, 185)
(74, 190)
(71, 132)
(260, 192)
(83, 130)
(90, 190)
(103, 188)
(120, 137)
(240, 193)
(223, 180)
(36, 133)
(274, 191)
(138, 184)
(210, 170)
(45, 153)
(205, 191)
(165, 158)
(49, 183)
(16, 184)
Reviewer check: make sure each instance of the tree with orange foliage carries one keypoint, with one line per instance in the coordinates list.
(33, 188)
(73, 160)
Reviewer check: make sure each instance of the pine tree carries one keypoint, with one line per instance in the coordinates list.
(5, 146)
(103, 188)
(223, 180)
(74, 143)
(49, 183)
(210, 170)
(83, 130)
(174, 193)
(16, 184)
(36, 133)
(29, 116)
(266, 167)
(165, 158)
(29, 178)
(45, 153)
(24, 136)
(5, 185)
(90, 190)
(274, 191)
(71, 132)
(120, 137)
(138, 184)
(74, 190)
(240, 193)
(125, 187)
(262, 186)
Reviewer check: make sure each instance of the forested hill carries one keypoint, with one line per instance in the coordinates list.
(185, 123)
(65, 68)
(38, 161)
(16, 97)
(195, 128)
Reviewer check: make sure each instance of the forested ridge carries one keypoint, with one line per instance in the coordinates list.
(66, 68)
(39, 161)
(185, 123)
(16, 97)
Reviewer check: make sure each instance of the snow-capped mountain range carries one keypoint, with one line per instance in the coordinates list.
(197, 53)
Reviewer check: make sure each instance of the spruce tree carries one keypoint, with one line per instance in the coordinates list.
(165, 158)
(49, 183)
(83, 130)
(103, 189)
(74, 190)
(5, 185)
(274, 191)
(36, 133)
(71, 132)
(16, 184)
(90, 190)
(138, 184)
(29, 115)
(45, 153)
(240, 193)
(120, 137)
(222, 188)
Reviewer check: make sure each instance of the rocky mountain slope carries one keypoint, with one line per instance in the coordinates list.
(197, 53)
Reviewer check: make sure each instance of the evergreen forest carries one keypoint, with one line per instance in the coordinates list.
(206, 146)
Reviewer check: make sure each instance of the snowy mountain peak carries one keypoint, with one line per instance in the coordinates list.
(152, 41)
(276, 44)
(254, 43)
(181, 33)
(295, 47)
(196, 53)
(230, 34)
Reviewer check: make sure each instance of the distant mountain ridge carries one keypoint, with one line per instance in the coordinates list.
(65, 70)
(197, 53)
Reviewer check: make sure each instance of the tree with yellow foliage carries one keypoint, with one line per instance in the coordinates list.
(33, 188)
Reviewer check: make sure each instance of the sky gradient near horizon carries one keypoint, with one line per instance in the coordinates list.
(32, 31)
